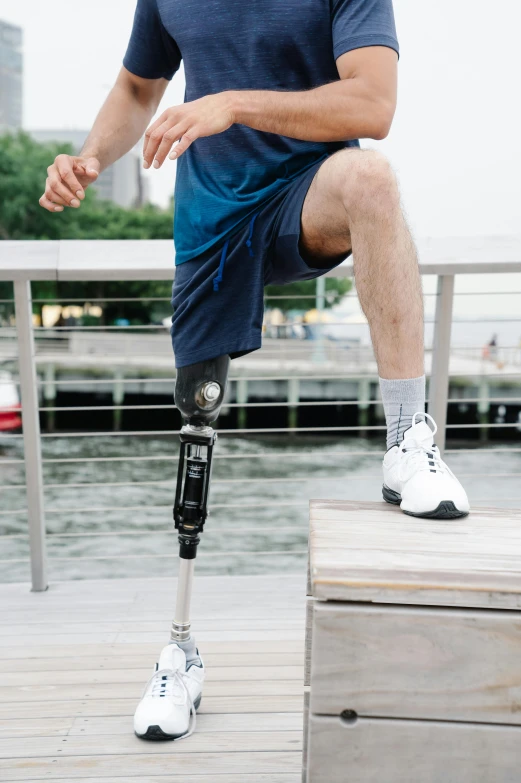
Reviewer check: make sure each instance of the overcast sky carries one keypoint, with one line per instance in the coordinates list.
(455, 140)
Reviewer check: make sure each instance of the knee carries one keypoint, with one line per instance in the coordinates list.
(369, 184)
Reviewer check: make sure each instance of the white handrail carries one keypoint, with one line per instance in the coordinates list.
(139, 259)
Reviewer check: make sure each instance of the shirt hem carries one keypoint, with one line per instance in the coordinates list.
(361, 41)
(145, 73)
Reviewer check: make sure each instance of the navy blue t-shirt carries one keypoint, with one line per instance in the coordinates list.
(246, 45)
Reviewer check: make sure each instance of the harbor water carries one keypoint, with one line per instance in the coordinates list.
(109, 500)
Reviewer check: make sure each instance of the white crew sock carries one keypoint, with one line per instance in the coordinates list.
(401, 400)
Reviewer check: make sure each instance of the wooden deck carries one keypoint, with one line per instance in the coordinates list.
(74, 662)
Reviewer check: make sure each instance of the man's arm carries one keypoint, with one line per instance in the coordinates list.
(119, 125)
(360, 105)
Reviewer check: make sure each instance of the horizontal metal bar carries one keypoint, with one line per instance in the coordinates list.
(254, 530)
(265, 455)
(280, 404)
(260, 431)
(96, 509)
(226, 553)
(166, 299)
(225, 482)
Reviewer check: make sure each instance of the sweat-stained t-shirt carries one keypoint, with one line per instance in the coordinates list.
(246, 45)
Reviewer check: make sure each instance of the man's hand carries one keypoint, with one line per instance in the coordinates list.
(184, 124)
(68, 177)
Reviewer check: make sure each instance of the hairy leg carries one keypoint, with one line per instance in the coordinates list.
(354, 203)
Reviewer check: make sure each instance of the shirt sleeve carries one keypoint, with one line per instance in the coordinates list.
(152, 53)
(359, 23)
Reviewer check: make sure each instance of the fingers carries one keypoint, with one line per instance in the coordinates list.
(50, 206)
(169, 138)
(57, 191)
(188, 138)
(153, 139)
(64, 168)
(164, 119)
(91, 167)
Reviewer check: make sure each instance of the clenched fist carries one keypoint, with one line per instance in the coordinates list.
(67, 179)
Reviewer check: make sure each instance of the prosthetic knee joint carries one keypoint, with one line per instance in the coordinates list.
(199, 394)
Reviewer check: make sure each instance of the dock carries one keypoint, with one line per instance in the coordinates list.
(76, 658)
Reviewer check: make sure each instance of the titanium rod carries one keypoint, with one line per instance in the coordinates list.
(181, 624)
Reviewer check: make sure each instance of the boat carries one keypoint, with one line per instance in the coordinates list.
(10, 408)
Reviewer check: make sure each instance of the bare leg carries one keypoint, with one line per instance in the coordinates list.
(354, 203)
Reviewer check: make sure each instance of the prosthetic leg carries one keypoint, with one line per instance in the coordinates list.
(199, 394)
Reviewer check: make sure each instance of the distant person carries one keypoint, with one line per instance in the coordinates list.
(272, 187)
(493, 348)
(490, 350)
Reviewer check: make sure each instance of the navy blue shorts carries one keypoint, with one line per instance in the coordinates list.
(218, 297)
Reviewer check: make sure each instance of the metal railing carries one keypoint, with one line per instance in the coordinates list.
(23, 262)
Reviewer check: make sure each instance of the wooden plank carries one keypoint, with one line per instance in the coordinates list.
(121, 707)
(396, 751)
(134, 690)
(144, 662)
(140, 676)
(177, 766)
(446, 664)
(256, 721)
(158, 629)
(161, 589)
(305, 737)
(308, 641)
(122, 724)
(159, 638)
(373, 552)
(59, 652)
(128, 744)
(171, 776)
(36, 727)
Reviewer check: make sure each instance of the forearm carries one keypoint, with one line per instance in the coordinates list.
(339, 111)
(119, 125)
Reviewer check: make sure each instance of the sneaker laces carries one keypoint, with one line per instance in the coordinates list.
(163, 682)
(419, 456)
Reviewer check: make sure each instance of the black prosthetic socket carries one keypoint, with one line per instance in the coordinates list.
(200, 388)
(199, 394)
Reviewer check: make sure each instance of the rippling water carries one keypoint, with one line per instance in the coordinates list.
(258, 522)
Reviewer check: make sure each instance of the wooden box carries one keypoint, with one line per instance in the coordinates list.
(413, 647)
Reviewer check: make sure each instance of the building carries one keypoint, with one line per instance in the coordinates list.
(11, 75)
(122, 183)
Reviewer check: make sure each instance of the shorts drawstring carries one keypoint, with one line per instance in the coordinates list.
(248, 241)
(219, 276)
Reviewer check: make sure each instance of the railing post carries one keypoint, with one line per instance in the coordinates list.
(439, 382)
(31, 430)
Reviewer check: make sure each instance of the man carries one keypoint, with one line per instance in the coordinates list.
(273, 187)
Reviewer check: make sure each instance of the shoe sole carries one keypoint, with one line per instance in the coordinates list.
(445, 510)
(156, 733)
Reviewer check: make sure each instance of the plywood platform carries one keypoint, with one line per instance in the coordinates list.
(74, 662)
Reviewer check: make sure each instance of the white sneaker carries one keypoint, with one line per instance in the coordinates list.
(171, 698)
(417, 479)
